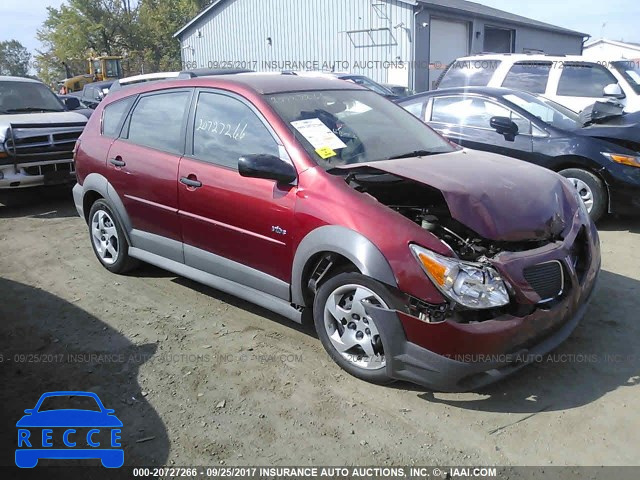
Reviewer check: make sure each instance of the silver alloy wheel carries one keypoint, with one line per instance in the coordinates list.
(351, 331)
(584, 191)
(105, 237)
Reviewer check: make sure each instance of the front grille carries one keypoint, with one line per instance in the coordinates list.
(546, 279)
(50, 168)
(41, 143)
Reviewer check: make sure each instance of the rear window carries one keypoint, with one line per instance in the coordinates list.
(584, 80)
(113, 116)
(469, 73)
(528, 76)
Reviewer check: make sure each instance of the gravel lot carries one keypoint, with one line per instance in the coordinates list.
(200, 378)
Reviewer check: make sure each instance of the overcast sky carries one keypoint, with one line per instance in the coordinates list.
(21, 18)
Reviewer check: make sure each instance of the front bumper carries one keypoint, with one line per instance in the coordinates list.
(35, 174)
(451, 356)
(410, 362)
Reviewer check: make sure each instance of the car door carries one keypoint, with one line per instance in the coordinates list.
(143, 164)
(579, 84)
(464, 119)
(234, 227)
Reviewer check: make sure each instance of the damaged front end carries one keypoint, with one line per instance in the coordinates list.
(523, 261)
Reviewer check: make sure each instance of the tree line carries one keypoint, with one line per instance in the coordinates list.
(141, 31)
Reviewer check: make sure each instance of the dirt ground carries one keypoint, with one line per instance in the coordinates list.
(202, 378)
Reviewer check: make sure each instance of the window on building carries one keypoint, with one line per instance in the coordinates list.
(113, 116)
(584, 80)
(157, 121)
(499, 40)
(528, 76)
(226, 129)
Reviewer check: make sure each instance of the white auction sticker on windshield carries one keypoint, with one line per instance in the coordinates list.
(318, 134)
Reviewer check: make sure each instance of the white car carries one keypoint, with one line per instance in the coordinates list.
(37, 135)
(570, 80)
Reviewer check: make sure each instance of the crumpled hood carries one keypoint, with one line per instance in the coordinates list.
(624, 127)
(499, 198)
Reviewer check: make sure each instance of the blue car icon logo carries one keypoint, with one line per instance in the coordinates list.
(91, 432)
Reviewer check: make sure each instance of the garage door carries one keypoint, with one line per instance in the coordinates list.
(448, 40)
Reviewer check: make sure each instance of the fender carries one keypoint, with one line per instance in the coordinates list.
(346, 242)
(101, 185)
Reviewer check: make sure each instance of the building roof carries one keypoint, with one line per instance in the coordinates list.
(197, 17)
(460, 5)
(630, 45)
(489, 12)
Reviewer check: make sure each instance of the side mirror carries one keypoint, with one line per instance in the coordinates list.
(613, 90)
(71, 103)
(269, 167)
(29, 411)
(504, 126)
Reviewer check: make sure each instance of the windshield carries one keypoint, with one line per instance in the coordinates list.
(630, 70)
(340, 127)
(469, 73)
(20, 97)
(546, 110)
(113, 69)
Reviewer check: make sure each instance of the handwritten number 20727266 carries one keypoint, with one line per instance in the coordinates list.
(237, 132)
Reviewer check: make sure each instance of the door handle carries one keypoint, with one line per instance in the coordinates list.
(118, 162)
(190, 183)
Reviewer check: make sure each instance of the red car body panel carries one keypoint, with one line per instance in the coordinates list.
(238, 213)
(147, 186)
(235, 217)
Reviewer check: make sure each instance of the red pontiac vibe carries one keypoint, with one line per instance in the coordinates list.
(420, 260)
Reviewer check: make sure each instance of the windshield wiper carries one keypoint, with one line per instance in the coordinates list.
(32, 109)
(415, 153)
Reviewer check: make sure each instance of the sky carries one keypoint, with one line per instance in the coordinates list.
(620, 17)
(21, 18)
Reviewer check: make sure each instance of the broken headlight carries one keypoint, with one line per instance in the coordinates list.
(470, 284)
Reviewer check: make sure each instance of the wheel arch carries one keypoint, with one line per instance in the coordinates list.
(96, 186)
(583, 163)
(348, 247)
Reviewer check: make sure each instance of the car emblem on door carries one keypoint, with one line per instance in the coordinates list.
(278, 230)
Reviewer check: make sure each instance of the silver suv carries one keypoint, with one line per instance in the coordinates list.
(37, 135)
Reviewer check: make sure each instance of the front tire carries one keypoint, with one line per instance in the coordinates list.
(348, 334)
(108, 239)
(590, 188)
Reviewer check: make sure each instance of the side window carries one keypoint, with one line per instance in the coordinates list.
(584, 80)
(416, 109)
(474, 112)
(226, 129)
(157, 121)
(528, 76)
(113, 115)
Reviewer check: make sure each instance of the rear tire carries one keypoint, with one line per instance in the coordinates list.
(108, 239)
(590, 188)
(349, 336)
